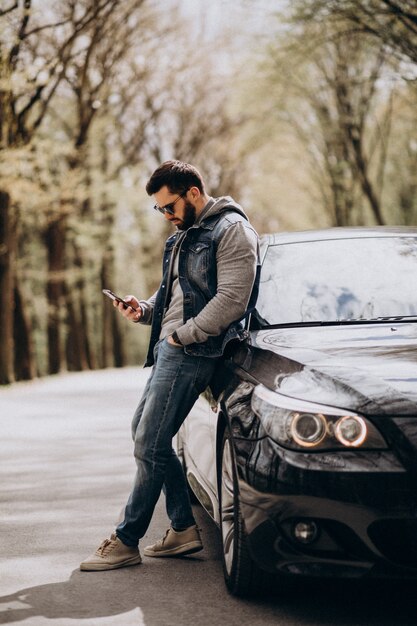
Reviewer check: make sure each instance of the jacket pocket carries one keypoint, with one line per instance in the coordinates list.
(198, 263)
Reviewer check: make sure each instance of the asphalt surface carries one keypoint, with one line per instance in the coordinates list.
(65, 473)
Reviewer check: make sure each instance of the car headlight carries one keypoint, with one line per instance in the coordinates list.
(303, 425)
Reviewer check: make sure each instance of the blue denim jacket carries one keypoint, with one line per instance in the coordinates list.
(197, 271)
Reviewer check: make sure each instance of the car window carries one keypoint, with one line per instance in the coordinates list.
(338, 279)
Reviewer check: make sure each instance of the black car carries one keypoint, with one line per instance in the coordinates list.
(307, 457)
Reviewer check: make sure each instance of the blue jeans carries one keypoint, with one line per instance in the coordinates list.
(176, 381)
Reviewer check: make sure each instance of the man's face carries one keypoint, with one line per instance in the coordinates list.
(184, 210)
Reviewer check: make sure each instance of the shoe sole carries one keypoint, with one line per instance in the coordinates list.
(100, 567)
(188, 548)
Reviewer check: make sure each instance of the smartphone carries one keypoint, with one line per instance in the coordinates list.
(112, 296)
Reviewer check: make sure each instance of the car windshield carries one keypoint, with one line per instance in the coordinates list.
(337, 280)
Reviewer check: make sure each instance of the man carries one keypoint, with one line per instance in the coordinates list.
(209, 283)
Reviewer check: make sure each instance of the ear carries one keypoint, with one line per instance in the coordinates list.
(195, 193)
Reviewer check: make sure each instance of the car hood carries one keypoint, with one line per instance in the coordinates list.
(369, 368)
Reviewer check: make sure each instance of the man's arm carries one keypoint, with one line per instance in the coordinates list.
(237, 258)
(147, 307)
(139, 310)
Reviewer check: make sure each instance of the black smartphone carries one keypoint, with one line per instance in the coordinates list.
(112, 296)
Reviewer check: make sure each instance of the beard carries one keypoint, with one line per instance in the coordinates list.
(189, 216)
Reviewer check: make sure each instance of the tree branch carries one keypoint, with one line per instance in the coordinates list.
(14, 52)
(9, 9)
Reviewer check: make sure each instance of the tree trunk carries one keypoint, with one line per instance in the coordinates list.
(78, 321)
(363, 173)
(24, 353)
(79, 347)
(113, 349)
(107, 319)
(55, 243)
(118, 344)
(75, 343)
(7, 282)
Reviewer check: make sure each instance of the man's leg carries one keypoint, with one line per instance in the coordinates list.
(113, 553)
(183, 536)
(178, 504)
(177, 381)
(173, 387)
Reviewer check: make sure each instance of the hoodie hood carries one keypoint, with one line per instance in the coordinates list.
(215, 206)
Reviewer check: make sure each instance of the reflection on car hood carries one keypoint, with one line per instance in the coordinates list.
(367, 368)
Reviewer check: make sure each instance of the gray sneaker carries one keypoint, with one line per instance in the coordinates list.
(111, 554)
(176, 543)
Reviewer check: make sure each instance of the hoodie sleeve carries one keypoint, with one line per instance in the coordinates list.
(237, 257)
(147, 307)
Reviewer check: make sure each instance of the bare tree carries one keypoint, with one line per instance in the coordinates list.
(330, 97)
(392, 22)
(94, 96)
(26, 92)
(90, 76)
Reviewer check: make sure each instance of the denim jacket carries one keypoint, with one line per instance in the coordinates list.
(197, 271)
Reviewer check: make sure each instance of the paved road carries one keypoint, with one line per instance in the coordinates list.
(66, 470)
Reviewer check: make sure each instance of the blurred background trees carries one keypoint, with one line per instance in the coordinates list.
(306, 115)
(341, 84)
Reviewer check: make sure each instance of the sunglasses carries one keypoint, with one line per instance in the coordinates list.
(169, 208)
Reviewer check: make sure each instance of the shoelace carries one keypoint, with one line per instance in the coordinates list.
(162, 541)
(105, 547)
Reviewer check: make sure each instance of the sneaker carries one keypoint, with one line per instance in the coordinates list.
(176, 543)
(111, 554)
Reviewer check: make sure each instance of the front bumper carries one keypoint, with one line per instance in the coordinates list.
(366, 521)
(351, 542)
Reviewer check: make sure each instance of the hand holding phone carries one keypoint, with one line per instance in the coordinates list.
(118, 299)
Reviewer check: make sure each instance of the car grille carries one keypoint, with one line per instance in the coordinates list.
(396, 540)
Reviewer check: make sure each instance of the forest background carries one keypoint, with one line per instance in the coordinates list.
(304, 111)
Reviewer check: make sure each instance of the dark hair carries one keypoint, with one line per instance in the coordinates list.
(177, 176)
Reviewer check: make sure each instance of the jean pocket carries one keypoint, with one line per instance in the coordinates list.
(170, 345)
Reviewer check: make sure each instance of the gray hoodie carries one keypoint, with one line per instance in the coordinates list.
(237, 257)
